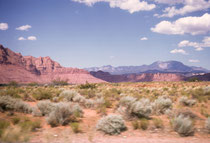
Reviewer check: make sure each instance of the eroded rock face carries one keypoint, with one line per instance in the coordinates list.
(138, 77)
(26, 69)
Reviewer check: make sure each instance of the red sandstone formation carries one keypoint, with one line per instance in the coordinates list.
(26, 69)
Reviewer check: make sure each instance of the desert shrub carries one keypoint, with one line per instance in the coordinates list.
(111, 124)
(141, 109)
(89, 103)
(33, 84)
(75, 127)
(64, 113)
(45, 107)
(127, 101)
(13, 83)
(208, 124)
(8, 103)
(79, 98)
(14, 135)
(187, 102)
(161, 104)
(158, 123)
(99, 101)
(87, 86)
(28, 125)
(144, 124)
(183, 125)
(68, 95)
(135, 125)
(3, 125)
(41, 94)
(186, 113)
(15, 120)
(59, 82)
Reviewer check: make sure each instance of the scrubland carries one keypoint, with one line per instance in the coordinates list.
(105, 112)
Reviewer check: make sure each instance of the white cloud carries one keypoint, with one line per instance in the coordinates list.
(198, 46)
(188, 6)
(194, 61)
(190, 25)
(4, 26)
(180, 51)
(32, 38)
(144, 38)
(24, 27)
(21, 38)
(170, 2)
(129, 5)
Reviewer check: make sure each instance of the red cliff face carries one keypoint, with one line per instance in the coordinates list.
(26, 69)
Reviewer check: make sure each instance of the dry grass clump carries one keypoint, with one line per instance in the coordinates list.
(161, 104)
(207, 125)
(111, 124)
(8, 103)
(158, 123)
(187, 102)
(183, 125)
(144, 124)
(75, 127)
(41, 94)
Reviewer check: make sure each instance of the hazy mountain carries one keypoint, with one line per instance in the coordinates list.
(156, 67)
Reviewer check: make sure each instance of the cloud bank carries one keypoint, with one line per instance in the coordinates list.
(185, 25)
(130, 5)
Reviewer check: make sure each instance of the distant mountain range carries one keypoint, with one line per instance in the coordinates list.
(156, 67)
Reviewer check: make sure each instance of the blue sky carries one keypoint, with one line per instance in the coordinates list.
(87, 33)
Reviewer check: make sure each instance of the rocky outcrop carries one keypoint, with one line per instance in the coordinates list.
(138, 77)
(26, 69)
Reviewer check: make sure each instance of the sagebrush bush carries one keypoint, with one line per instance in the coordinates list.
(161, 104)
(208, 124)
(68, 95)
(63, 113)
(78, 98)
(111, 124)
(45, 107)
(8, 103)
(141, 109)
(89, 103)
(187, 102)
(183, 125)
(127, 101)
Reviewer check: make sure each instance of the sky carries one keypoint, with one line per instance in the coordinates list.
(88, 33)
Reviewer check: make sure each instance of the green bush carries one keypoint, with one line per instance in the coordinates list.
(144, 124)
(87, 86)
(158, 123)
(41, 94)
(60, 82)
(75, 127)
(135, 125)
(111, 124)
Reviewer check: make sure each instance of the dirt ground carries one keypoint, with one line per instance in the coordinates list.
(90, 135)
